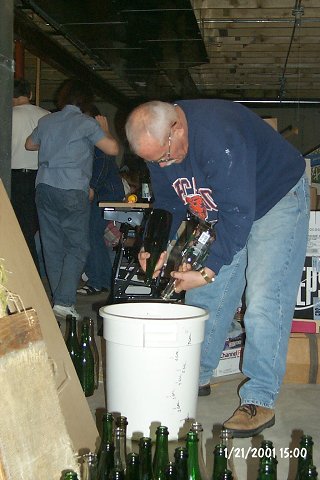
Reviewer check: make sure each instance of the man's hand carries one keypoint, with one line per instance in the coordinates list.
(108, 144)
(103, 122)
(187, 278)
(142, 257)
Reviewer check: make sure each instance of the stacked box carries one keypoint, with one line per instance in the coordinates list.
(231, 356)
(308, 299)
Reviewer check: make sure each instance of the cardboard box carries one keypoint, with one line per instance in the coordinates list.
(303, 359)
(304, 325)
(229, 362)
(308, 298)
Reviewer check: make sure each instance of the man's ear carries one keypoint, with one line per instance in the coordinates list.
(178, 129)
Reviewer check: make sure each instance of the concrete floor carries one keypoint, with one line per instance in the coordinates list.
(297, 413)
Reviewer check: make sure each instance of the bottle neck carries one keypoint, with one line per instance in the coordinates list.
(120, 449)
(193, 461)
(161, 456)
(107, 428)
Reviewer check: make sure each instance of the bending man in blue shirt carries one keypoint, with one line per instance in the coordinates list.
(222, 162)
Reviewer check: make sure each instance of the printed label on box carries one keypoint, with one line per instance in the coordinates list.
(309, 292)
(313, 247)
(229, 362)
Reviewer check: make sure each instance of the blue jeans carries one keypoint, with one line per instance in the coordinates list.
(269, 268)
(98, 267)
(64, 230)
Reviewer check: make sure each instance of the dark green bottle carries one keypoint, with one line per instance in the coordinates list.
(181, 462)
(122, 422)
(266, 470)
(89, 466)
(105, 462)
(197, 428)
(267, 451)
(117, 474)
(133, 466)
(310, 472)
(72, 342)
(70, 474)
(193, 462)
(155, 239)
(145, 455)
(305, 456)
(226, 475)
(107, 432)
(120, 456)
(94, 349)
(170, 472)
(86, 374)
(220, 457)
(161, 454)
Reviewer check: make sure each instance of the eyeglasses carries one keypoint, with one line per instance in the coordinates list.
(167, 157)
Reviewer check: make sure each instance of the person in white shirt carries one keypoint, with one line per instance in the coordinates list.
(24, 164)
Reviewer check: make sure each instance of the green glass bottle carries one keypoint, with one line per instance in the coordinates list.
(267, 451)
(310, 472)
(117, 474)
(122, 422)
(72, 342)
(194, 252)
(226, 475)
(86, 362)
(220, 457)
(145, 455)
(120, 456)
(105, 462)
(181, 462)
(170, 472)
(95, 351)
(107, 432)
(266, 470)
(226, 440)
(70, 474)
(306, 455)
(89, 466)
(161, 454)
(193, 463)
(155, 238)
(197, 428)
(133, 466)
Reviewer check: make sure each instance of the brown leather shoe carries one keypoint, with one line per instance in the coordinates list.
(249, 420)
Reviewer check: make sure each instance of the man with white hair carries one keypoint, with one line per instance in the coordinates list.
(222, 162)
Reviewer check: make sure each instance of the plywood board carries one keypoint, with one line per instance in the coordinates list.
(23, 279)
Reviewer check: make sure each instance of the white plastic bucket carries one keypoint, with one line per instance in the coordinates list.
(152, 364)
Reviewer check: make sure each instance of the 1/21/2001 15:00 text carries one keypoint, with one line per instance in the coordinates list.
(254, 452)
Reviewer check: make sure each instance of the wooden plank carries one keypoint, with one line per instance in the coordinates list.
(18, 331)
(123, 205)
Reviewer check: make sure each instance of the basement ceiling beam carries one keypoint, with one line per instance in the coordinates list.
(50, 52)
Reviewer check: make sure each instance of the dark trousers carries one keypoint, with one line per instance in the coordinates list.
(23, 202)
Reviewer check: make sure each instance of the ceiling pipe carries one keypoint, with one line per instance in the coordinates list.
(255, 20)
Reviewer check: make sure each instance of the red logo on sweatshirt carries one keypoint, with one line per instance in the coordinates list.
(197, 206)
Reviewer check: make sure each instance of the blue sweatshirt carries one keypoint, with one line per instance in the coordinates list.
(236, 169)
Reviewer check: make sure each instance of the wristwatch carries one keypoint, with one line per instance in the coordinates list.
(206, 276)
